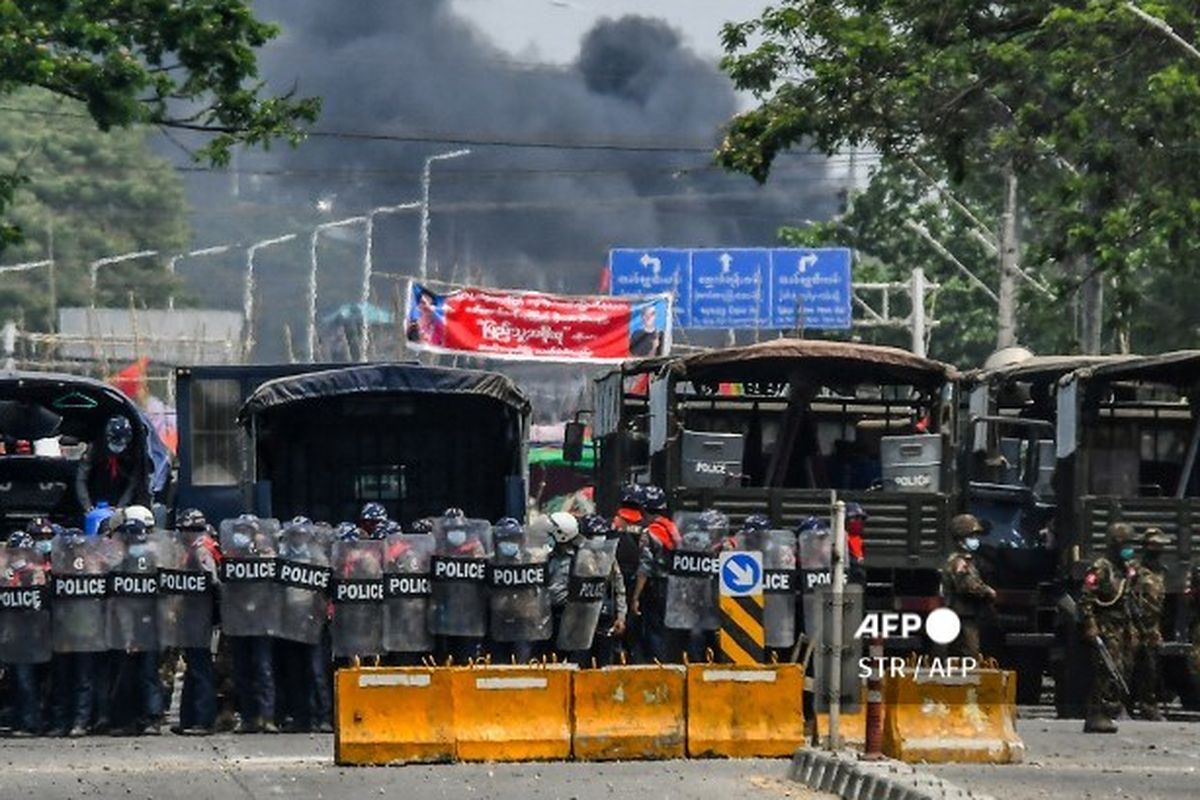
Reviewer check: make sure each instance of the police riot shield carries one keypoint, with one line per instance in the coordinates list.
(590, 573)
(186, 569)
(133, 592)
(250, 597)
(357, 594)
(692, 576)
(406, 593)
(24, 606)
(304, 581)
(519, 592)
(79, 583)
(458, 575)
(778, 550)
(815, 548)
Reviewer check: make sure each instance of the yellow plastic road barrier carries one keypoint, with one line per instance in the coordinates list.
(512, 713)
(852, 728)
(392, 715)
(744, 712)
(959, 718)
(629, 713)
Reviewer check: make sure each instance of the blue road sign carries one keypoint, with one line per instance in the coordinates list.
(742, 287)
(653, 271)
(730, 289)
(815, 284)
(741, 573)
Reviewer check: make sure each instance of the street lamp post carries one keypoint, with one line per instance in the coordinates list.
(173, 261)
(312, 278)
(94, 267)
(426, 175)
(368, 268)
(248, 287)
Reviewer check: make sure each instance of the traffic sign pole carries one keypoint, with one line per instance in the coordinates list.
(742, 635)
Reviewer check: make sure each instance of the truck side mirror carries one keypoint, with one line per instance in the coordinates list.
(573, 442)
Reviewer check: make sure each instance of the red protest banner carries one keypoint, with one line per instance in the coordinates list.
(536, 326)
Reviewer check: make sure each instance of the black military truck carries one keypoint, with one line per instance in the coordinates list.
(1055, 449)
(416, 439)
(776, 427)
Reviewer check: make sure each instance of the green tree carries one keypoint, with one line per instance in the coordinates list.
(164, 63)
(1090, 104)
(89, 194)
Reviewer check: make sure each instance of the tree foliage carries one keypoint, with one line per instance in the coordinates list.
(185, 65)
(1093, 106)
(86, 194)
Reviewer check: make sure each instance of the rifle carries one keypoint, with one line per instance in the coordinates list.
(1111, 666)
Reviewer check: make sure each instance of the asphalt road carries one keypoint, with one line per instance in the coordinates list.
(1159, 760)
(299, 767)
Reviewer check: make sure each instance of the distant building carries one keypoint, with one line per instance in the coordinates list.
(180, 336)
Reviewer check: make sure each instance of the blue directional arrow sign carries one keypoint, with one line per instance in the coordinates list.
(814, 283)
(731, 289)
(741, 573)
(653, 271)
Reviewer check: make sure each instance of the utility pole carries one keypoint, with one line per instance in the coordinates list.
(1006, 317)
(1091, 308)
(917, 320)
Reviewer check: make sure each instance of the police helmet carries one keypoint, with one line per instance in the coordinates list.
(812, 525)
(20, 540)
(387, 528)
(563, 526)
(139, 514)
(347, 532)
(191, 519)
(632, 496)
(422, 525)
(373, 512)
(118, 434)
(595, 526)
(454, 512)
(756, 522)
(507, 528)
(654, 499)
(712, 520)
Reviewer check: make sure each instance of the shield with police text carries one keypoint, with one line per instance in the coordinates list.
(406, 593)
(778, 550)
(24, 606)
(692, 570)
(79, 568)
(250, 597)
(518, 593)
(304, 581)
(357, 594)
(591, 571)
(815, 547)
(133, 592)
(186, 589)
(458, 577)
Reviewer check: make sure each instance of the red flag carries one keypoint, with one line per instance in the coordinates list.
(132, 379)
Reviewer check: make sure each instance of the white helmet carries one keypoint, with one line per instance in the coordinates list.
(139, 514)
(563, 527)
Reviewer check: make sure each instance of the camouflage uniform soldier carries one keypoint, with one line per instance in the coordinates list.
(1147, 595)
(1106, 616)
(966, 592)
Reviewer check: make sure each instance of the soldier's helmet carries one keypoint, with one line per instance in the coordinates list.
(963, 526)
(1154, 540)
(1119, 533)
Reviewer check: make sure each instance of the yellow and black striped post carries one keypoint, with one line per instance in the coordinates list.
(742, 638)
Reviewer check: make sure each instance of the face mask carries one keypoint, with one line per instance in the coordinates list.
(854, 527)
(1127, 554)
(971, 543)
(241, 541)
(44, 546)
(456, 538)
(138, 550)
(509, 549)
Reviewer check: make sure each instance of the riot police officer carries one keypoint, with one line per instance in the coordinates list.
(518, 595)
(1108, 627)
(610, 627)
(1147, 595)
(659, 539)
(965, 590)
(628, 524)
(371, 517)
(133, 633)
(458, 607)
(192, 604)
(25, 629)
(406, 637)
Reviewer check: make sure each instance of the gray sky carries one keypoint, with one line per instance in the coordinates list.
(550, 30)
